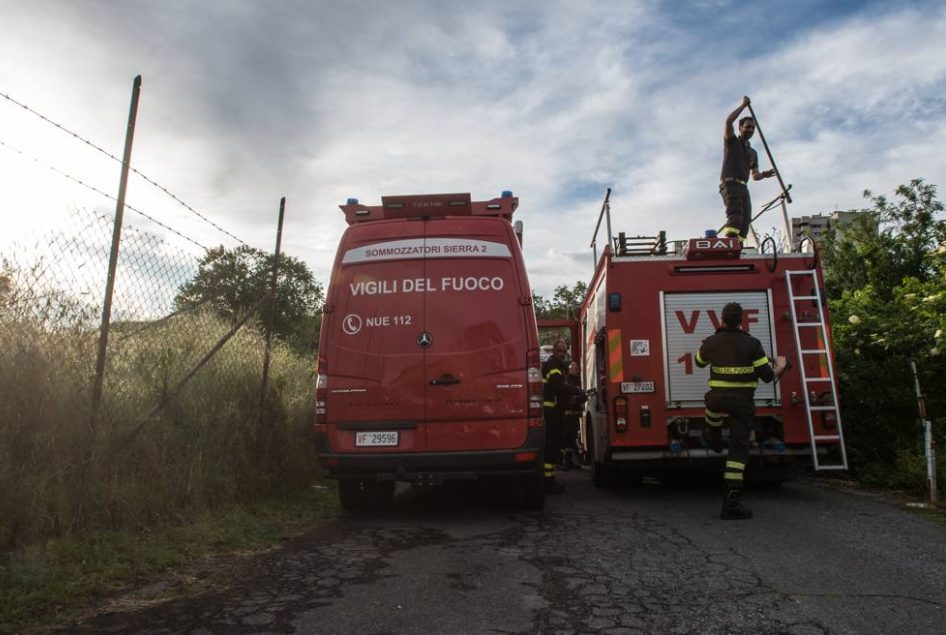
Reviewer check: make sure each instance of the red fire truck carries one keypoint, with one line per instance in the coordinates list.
(648, 308)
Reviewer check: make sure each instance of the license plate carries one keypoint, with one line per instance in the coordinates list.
(637, 386)
(375, 439)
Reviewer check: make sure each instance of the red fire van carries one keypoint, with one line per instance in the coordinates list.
(429, 359)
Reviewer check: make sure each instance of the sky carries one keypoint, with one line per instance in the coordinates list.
(244, 102)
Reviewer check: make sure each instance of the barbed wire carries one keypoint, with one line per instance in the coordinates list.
(98, 191)
(115, 158)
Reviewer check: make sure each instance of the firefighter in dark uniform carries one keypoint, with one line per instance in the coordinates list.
(571, 421)
(736, 362)
(739, 161)
(556, 393)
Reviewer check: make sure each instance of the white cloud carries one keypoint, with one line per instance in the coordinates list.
(244, 102)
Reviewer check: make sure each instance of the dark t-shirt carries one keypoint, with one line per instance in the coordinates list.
(738, 159)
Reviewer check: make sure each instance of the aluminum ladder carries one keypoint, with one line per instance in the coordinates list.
(810, 384)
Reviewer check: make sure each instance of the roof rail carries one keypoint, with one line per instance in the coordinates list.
(429, 206)
(640, 245)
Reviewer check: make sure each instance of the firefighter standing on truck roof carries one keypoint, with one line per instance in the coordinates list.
(556, 393)
(736, 362)
(739, 160)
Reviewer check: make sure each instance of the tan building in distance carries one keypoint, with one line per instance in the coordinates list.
(815, 226)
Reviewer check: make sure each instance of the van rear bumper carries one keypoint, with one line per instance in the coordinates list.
(433, 466)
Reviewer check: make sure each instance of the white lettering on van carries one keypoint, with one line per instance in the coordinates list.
(381, 321)
(373, 287)
(472, 283)
(426, 285)
(417, 285)
(431, 247)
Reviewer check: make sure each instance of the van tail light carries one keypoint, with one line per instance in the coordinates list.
(321, 396)
(620, 414)
(534, 379)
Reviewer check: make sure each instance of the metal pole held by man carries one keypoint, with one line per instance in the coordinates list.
(740, 163)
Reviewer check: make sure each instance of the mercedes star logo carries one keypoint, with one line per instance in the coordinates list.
(424, 340)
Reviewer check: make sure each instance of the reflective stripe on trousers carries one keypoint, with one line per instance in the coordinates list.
(734, 471)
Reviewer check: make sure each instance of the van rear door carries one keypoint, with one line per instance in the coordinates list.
(477, 393)
(375, 365)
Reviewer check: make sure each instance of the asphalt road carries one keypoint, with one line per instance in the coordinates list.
(647, 559)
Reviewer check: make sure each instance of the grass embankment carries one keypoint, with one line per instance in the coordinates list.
(60, 579)
(88, 508)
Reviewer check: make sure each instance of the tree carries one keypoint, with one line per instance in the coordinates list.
(887, 242)
(6, 285)
(234, 280)
(885, 273)
(564, 305)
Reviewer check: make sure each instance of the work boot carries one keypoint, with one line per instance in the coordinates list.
(714, 438)
(732, 505)
(552, 486)
(566, 463)
(573, 457)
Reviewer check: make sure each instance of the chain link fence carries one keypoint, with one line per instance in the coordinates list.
(185, 421)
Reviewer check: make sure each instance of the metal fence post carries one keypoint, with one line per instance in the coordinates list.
(929, 443)
(271, 318)
(113, 260)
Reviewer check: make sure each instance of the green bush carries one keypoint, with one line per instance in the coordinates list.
(885, 273)
(909, 471)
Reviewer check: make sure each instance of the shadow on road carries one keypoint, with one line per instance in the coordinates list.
(498, 497)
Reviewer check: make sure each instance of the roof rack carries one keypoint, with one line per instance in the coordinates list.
(429, 206)
(640, 245)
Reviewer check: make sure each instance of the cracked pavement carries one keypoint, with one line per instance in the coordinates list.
(644, 559)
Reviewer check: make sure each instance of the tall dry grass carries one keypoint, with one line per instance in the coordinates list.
(206, 448)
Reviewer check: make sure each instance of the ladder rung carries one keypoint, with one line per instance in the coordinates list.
(817, 379)
(822, 408)
(814, 350)
(828, 437)
(805, 297)
(809, 324)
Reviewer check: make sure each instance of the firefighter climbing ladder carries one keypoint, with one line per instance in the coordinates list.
(810, 385)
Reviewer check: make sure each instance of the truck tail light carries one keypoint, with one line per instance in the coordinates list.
(321, 396)
(534, 379)
(620, 414)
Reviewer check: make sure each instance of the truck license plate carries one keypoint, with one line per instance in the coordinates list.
(637, 386)
(375, 439)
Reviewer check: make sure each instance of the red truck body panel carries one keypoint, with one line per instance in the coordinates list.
(642, 323)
